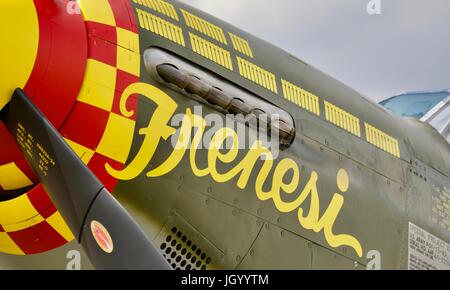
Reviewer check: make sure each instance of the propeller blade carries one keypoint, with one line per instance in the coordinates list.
(109, 235)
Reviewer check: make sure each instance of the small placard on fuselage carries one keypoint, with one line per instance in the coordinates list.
(426, 251)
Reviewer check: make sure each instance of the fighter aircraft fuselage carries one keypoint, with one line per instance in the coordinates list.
(162, 113)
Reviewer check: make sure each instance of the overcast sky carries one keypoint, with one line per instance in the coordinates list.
(406, 47)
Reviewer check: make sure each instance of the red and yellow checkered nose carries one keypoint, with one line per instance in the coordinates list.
(19, 34)
(43, 50)
(73, 60)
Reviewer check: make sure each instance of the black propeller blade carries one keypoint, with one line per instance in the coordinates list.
(109, 235)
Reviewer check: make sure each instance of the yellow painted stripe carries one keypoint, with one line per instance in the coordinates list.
(382, 140)
(98, 86)
(205, 27)
(8, 246)
(301, 97)
(128, 61)
(211, 51)
(128, 39)
(257, 75)
(16, 210)
(97, 11)
(241, 45)
(342, 119)
(117, 138)
(161, 27)
(84, 153)
(57, 222)
(9, 228)
(160, 6)
(19, 46)
(11, 177)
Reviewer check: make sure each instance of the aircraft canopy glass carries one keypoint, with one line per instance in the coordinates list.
(414, 105)
(429, 107)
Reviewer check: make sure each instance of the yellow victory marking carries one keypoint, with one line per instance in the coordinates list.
(19, 28)
(158, 129)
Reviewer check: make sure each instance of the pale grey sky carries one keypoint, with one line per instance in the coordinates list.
(406, 47)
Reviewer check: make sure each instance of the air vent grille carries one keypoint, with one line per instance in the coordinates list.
(183, 254)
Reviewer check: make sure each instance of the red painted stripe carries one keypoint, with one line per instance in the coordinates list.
(103, 51)
(131, 15)
(37, 239)
(123, 80)
(40, 200)
(120, 12)
(85, 125)
(9, 151)
(61, 60)
(102, 31)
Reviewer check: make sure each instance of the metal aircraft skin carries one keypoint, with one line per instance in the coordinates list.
(353, 186)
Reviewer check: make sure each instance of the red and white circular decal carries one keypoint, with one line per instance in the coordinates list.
(102, 237)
